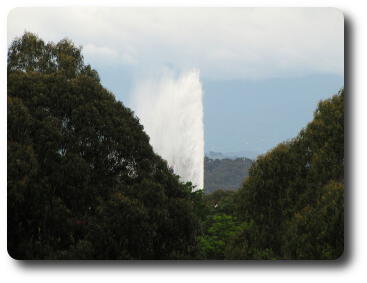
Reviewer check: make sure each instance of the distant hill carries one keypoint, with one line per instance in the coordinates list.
(226, 174)
(232, 155)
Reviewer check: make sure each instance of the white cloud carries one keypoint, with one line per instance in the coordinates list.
(224, 43)
(104, 54)
(99, 51)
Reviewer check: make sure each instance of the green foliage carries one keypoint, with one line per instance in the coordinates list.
(244, 245)
(30, 54)
(221, 202)
(83, 180)
(219, 225)
(294, 194)
(317, 231)
(220, 230)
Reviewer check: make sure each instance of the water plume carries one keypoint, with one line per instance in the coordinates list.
(171, 110)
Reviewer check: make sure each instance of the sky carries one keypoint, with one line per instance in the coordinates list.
(263, 70)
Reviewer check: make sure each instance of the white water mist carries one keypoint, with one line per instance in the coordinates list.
(171, 111)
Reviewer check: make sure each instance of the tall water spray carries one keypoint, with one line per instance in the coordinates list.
(171, 111)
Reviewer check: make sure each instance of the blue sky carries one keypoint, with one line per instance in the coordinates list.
(263, 70)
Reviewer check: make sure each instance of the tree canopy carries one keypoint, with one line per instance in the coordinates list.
(83, 180)
(294, 195)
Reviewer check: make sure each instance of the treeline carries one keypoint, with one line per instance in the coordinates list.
(292, 204)
(226, 174)
(84, 182)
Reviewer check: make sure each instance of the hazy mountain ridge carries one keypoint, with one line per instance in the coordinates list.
(225, 173)
(232, 155)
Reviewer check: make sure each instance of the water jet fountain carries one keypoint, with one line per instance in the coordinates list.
(171, 111)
